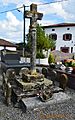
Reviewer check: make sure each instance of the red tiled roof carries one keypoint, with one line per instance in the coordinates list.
(6, 43)
(60, 25)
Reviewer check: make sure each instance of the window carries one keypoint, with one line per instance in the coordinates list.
(65, 49)
(53, 36)
(68, 28)
(67, 37)
(53, 29)
(71, 49)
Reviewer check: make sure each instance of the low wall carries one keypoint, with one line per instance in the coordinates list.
(38, 61)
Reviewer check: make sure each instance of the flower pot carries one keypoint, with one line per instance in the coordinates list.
(73, 71)
(69, 69)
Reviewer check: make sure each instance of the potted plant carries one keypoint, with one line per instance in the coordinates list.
(51, 60)
(69, 66)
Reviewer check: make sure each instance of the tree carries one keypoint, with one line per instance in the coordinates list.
(43, 41)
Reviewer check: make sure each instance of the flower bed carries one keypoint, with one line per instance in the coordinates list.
(70, 63)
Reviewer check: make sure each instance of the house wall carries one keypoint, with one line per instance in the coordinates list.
(60, 31)
(11, 48)
(1, 47)
(8, 48)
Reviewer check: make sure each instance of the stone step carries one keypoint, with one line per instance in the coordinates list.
(35, 102)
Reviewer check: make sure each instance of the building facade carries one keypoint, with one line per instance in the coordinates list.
(4, 44)
(64, 36)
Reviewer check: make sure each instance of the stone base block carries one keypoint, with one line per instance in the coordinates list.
(29, 86)
(33, 78)
(34, 102)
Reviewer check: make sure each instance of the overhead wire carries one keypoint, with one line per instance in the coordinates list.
(52, 2)
(28, 6)
(11, 10)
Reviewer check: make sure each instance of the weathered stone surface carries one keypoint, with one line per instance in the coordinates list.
(63, 81)
(31, 86)
(10, 74)
(35, 102)
(32, 77)
(23, 70)
(8, 94)
(47, 82)
(57, 89)
(24, 85)
(45, 95)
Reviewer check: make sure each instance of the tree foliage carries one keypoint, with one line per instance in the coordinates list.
(42, 41)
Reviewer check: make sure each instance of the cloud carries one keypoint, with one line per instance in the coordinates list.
(47, 22)
(11, 28)
(19, 2)
(64, 10)
(6, 2)
(12, 20)
(69, 7)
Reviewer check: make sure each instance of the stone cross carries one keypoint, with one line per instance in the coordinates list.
(34, 16)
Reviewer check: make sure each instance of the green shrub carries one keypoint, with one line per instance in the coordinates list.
(44, 71)
(73, 64)
(51, 58)
(40, 55)
(70, 64)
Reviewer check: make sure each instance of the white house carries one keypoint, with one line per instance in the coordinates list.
(63, 34)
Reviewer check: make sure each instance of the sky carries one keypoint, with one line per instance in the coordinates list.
(11, 22)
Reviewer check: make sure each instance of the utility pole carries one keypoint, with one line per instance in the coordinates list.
(24, 32)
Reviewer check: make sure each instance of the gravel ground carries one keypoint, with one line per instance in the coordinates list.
(62, 111)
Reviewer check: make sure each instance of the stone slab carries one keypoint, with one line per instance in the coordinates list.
(35, 102)
(26, 86)
(56, 89)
